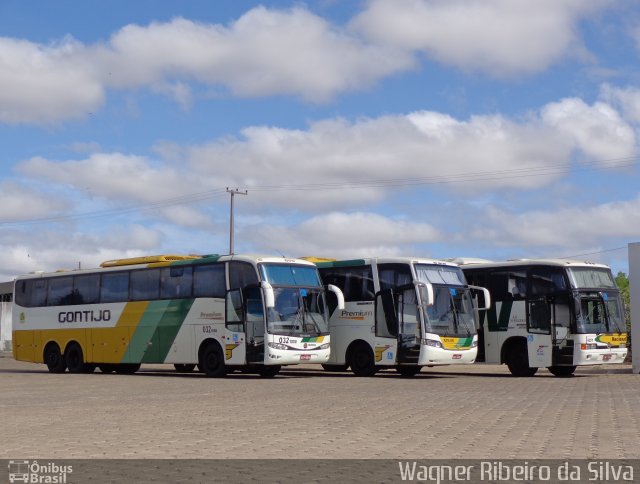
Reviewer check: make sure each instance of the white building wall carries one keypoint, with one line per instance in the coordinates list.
(634, 287)
(5, 326)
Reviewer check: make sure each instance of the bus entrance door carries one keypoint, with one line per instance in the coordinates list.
(539, 334)
(408, 325)
(386, 328)
(255, 324)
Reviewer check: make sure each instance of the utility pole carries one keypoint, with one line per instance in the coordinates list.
(233, 192)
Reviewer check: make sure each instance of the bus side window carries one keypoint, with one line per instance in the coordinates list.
(31, 293)
(115, 287)
(546, 280)
(241, 274)
(60, 292)
(145, 284)
(87, 288)
(393, 275)
(175, 282)
(209, 281)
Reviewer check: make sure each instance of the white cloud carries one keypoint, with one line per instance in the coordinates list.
(263, 53)
(571, 227)
(484, 152)
(19, 202)
(46, 84)
(115, 176)
(498, 37)
(337, 164)
(627, 100)
(598, 130)
(52, 250)
(340, 235)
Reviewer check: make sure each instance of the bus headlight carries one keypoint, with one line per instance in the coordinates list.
(432, 342)
(325, 346)
(277, 346)
(474, 344)
(588, 346)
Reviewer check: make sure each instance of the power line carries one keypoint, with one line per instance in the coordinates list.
(594, 253)
(495, 175)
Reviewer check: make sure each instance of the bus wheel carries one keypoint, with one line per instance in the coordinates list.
(412, 370)
(361, 361)
(53, 358)
(334, 367)
(107, 368)
(74, 358)
(562, 371)
(518, 361)
(184, 368)
(269, 371)
(127, 368)
(212, 361)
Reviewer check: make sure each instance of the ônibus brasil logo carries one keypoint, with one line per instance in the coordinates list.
(33, 472)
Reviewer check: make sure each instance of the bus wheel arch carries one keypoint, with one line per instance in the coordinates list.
(515, 355)
(52, 357)
(211, 359)
(361, 358)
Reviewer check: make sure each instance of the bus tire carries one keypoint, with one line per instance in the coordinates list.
(211, 361)
(269, 371)
(408, 371)
(327, 367)
(127, 368)
(562, 371)
(184, 367)
(361, 360)
(74, 358)
(53, 359)
(517, 360)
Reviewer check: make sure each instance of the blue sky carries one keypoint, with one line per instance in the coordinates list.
(479, 128)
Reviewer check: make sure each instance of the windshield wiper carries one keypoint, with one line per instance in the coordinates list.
(456, 316)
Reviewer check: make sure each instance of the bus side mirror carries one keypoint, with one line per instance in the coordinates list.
(269, 297)
(486, 294)
(426, 292)
(336, 290)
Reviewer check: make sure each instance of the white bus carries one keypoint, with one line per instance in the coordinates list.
(400, 313)
(555, 314)
(219, 312)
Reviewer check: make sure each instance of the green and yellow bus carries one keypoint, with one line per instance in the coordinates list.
(217, 312)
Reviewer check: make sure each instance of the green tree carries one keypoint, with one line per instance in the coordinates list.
(622, 281)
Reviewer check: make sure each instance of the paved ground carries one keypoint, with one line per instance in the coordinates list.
(477, 412)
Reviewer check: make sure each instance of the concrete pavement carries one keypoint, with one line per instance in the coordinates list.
(477, 412)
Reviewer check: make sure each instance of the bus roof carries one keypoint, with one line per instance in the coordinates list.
(384, 260)
(529, 262)
(169, 260)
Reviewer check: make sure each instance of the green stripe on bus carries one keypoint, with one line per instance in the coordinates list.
(170, 324)
(158, 327)
(341, 263)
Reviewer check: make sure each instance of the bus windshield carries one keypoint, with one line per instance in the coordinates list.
(599, 313)
(440, 274)
(297, 312)
(451, 313)
(290, 275)
(591, 278)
